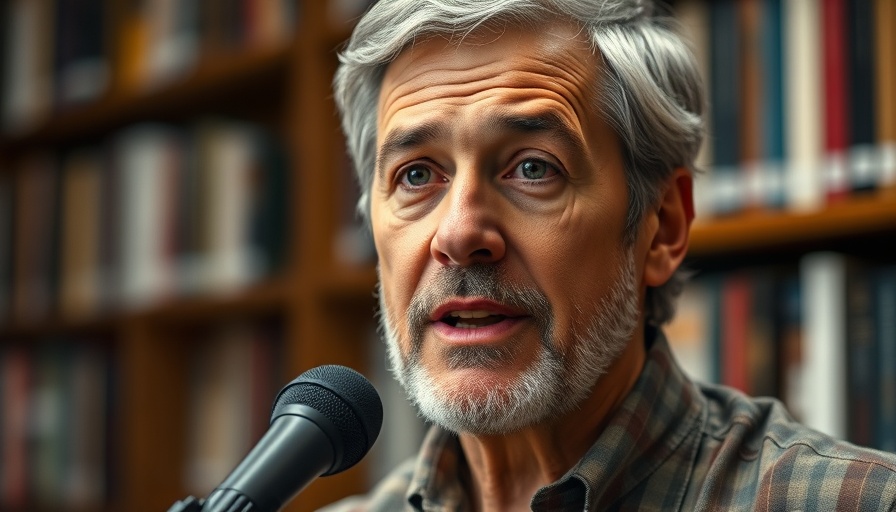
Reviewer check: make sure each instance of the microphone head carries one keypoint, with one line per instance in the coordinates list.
(347, 399)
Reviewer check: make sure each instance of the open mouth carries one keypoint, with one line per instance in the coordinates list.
(471, 319)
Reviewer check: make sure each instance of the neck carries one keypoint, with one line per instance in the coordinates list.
(507, 470)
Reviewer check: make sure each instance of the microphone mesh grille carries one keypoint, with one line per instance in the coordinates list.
(347, 399)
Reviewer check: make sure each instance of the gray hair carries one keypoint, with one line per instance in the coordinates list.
(651, 94)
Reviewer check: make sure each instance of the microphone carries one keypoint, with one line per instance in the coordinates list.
(322, 423)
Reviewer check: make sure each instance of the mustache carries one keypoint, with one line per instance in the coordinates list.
(480, 280)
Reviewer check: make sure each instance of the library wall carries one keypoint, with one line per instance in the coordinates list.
(793, 244)
(177, 242)
(178, 238)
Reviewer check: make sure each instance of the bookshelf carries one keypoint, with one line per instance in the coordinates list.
(314, 308)
(792, 248)
(860, 217)
(310, 309)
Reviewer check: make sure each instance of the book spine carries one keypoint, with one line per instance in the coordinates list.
(803, 104)
(772, 107)
(885, 326)
(823, 277)
(864, 169)
(836, 98)
(885, 82)
(725, 84)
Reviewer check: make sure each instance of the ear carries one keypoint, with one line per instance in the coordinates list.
(669, 244)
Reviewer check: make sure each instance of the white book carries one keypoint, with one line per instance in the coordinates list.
(28, 88)
(228, 162)
(823, 276)
(147, 157)
(803, 100)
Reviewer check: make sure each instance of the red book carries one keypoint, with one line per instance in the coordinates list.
(836, 96)
(736, 313)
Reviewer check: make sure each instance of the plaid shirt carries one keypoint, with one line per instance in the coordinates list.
(672, 445)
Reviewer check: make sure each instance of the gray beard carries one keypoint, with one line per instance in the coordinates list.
(556, 383)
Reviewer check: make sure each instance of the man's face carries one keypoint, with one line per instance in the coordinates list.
(498, 208)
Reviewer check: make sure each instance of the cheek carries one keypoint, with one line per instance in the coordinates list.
(575, 265)
(403, 253)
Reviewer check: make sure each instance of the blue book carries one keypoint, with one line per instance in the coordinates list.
(885, 322)
(773, 111)
(725, 104)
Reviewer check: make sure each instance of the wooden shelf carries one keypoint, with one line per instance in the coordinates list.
(259, 299)
(211, 86)
(767, 230)
(349, 284)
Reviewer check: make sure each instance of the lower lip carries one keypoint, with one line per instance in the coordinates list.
(489, 334)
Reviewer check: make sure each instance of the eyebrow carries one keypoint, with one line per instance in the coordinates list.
(546, 122)
(403, 139)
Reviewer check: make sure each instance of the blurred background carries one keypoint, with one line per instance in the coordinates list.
(178, 237)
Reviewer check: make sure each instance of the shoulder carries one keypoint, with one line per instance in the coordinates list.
(390, 494)
(765, 456)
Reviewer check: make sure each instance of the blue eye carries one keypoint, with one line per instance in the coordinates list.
(534, 169)
(418, 176)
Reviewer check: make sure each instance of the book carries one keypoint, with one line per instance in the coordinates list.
(16, 375)
(35, 239)
(864, 169)
(693, 18)
(861, 340)
(28, 74)
(229, 168)
(689, 331)
(222, 389)
(803, 104)
(835, 67)
(824, 399)
(79, 290)
(725, 110)
(735, 320)
(885, 328)
(790, 336)
(885, 84)
(84, 483)
(173, 39)
(149, 161)
(773, 140)
(48, 424)
(763, 356)
(81, 62)
(750, 63)
(6, 244)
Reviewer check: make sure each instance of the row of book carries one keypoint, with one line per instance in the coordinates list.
(59, 53)
(801, 105)
(157, 211)
(54, 425)
(820, 335)
(234, 378)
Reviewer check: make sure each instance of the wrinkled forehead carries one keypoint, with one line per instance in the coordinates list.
(555, 57)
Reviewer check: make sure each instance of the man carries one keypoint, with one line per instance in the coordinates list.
(526, 170)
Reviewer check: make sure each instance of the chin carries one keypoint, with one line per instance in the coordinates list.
(487, 402)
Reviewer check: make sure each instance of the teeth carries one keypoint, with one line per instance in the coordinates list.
(470, 314)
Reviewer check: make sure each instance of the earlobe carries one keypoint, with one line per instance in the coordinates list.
(669, 244)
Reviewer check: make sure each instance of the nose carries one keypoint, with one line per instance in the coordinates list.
(469, 228)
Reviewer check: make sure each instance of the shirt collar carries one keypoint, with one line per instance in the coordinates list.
(656, 425)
